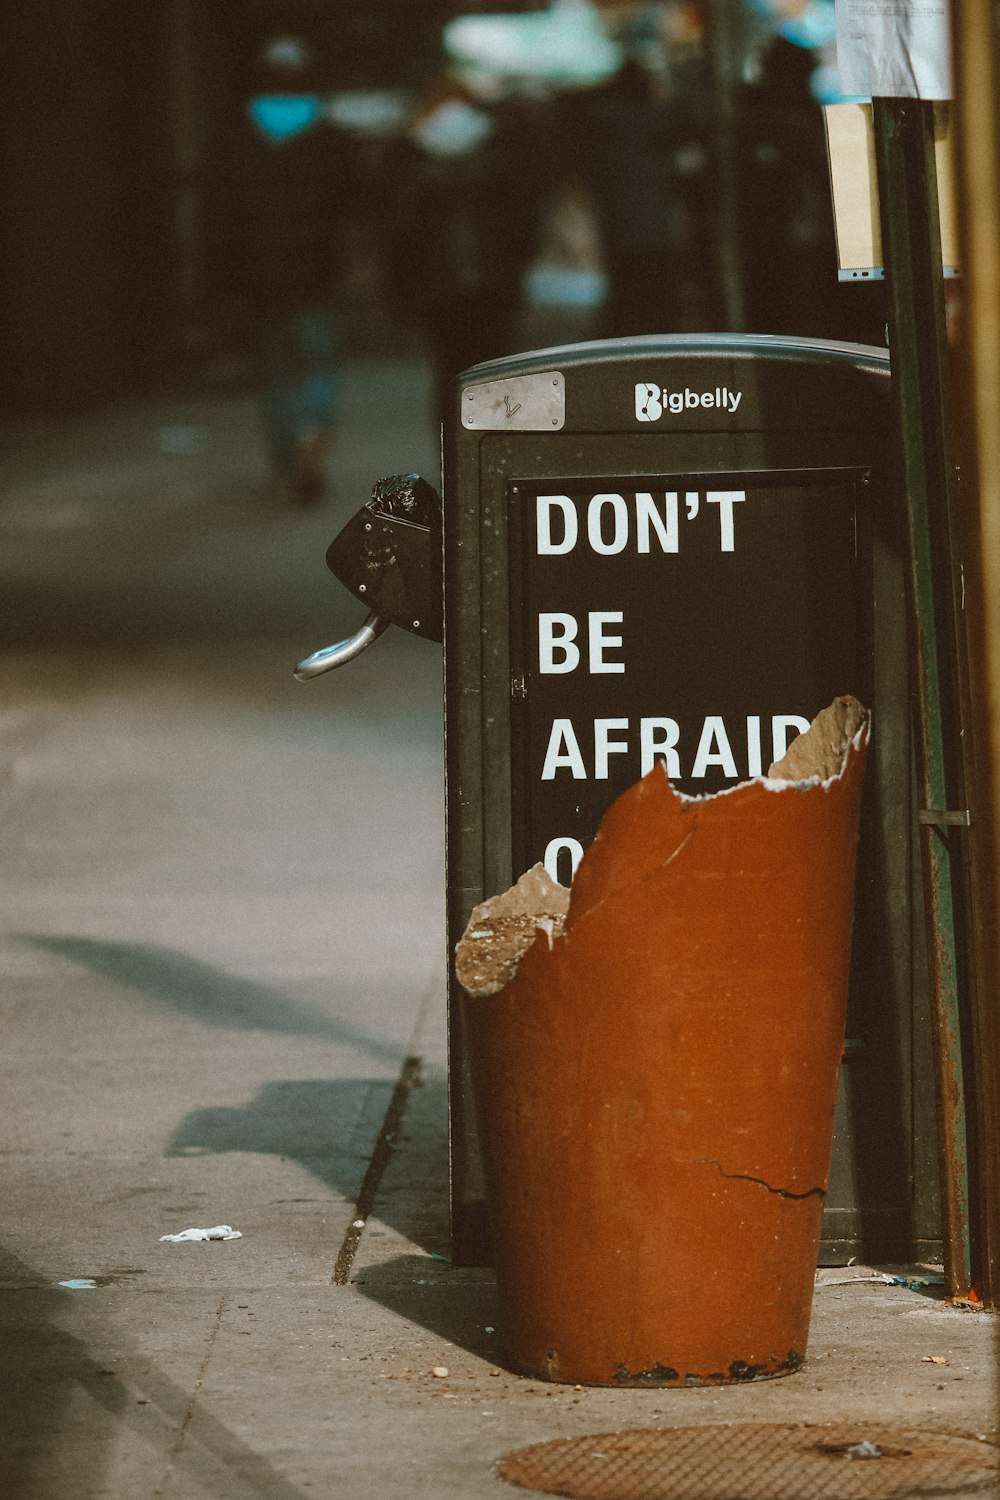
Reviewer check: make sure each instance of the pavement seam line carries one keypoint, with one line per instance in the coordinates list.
(409, 1078)
(423, 1013)
(189, 1413)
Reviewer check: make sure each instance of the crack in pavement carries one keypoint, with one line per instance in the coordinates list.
(385, 1146)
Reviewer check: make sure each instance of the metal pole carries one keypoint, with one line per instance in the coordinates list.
(977, 111)
(904, 141)
(726, 54)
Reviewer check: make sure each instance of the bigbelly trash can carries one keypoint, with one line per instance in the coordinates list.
(652, 563)
(654, 1061)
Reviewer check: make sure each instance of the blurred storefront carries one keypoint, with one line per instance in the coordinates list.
(108, 117)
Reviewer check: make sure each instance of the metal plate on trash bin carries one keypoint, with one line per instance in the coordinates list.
(841, 1461)
(521, 403)
(699, 621)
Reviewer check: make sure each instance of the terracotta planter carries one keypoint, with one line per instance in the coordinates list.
(655, 1087)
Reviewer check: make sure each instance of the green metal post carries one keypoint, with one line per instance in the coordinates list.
(904, 138)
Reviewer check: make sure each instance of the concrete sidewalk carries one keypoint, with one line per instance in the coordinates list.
(222, 996)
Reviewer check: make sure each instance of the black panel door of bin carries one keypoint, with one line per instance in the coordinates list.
(696, 620)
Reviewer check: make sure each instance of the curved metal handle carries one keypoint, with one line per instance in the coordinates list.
(344, 651)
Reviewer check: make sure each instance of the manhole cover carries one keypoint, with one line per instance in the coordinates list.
(758, 1462)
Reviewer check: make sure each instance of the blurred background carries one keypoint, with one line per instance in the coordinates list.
(640, 166)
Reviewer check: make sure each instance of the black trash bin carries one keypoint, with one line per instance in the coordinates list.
(678, 550)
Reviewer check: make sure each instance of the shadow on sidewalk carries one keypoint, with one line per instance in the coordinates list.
(193, 988)
(455, 1304)
(327, 1126)
(47, 1447)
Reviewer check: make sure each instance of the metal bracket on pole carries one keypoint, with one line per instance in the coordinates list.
(936, 817)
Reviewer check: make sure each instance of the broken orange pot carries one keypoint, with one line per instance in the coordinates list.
(655, 1072)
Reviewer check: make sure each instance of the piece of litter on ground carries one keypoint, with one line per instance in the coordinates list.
(877, 1280)
(358, 1224)
(933, 1359)
(219, 1232)
(440, 1371)
(883, 1278)
(79, 1284)
(864, 1450)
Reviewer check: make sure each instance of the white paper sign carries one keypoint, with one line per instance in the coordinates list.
(894, 48)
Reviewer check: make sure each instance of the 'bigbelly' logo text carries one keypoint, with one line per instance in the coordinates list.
(654, 401)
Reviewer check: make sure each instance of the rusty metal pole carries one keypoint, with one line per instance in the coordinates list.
(911, 240)
(976, 54)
